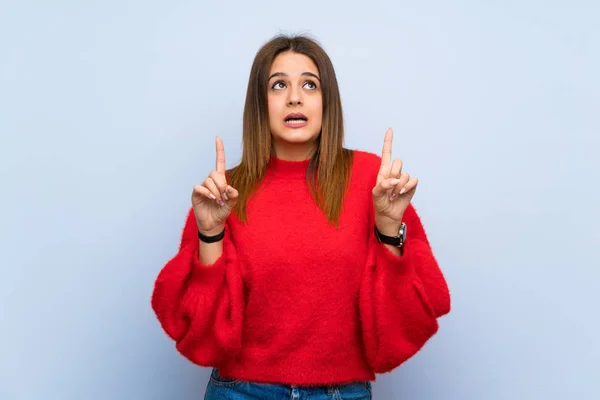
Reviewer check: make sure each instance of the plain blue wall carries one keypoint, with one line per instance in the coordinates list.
(108, 113)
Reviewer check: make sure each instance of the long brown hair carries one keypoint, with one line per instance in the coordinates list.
(329, 169)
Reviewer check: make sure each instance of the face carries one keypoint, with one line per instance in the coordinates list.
(295, 105)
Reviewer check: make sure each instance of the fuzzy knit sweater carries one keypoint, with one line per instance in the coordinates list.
(295, 300)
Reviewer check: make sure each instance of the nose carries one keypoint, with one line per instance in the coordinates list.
(295, 97)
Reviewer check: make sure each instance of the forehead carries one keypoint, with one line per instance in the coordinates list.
(293, 64)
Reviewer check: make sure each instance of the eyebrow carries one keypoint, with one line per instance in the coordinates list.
(303, 74)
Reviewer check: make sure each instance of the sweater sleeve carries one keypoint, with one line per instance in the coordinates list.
(201, 307)
(401, 297)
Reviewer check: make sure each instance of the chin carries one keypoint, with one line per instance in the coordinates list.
(297, 135)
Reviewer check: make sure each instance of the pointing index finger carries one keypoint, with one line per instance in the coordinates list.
(386, 154)
(220, 167)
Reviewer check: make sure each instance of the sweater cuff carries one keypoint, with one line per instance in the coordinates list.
(386, 259)
(207, 274)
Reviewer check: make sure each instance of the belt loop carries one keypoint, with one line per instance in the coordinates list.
(295, 392)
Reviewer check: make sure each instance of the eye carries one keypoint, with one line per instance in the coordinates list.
(311, 84)
(274, 87)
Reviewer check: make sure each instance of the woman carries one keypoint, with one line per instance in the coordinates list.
(304, 270)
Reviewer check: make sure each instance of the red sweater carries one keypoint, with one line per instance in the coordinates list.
(293, 300)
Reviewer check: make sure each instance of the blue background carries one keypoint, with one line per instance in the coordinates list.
(108, 115)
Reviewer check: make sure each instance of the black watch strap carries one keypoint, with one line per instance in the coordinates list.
(211, 239)
(397, 241)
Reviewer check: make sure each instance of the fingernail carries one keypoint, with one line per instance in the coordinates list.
(225, 196)
(403, 190)
(394, 181)
(212, 196)
(393, 196)
(220, 202)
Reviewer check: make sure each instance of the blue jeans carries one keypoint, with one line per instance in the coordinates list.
(220, 388)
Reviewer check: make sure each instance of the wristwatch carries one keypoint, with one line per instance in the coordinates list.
(397, 241)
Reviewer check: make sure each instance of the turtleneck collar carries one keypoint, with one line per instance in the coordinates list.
(287, 169)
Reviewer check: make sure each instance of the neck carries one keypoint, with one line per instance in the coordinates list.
(293, 151)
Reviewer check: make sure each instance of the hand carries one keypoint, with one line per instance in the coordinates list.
(214, 199)
(394, 189)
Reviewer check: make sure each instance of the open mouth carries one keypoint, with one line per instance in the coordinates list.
(295, 119)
